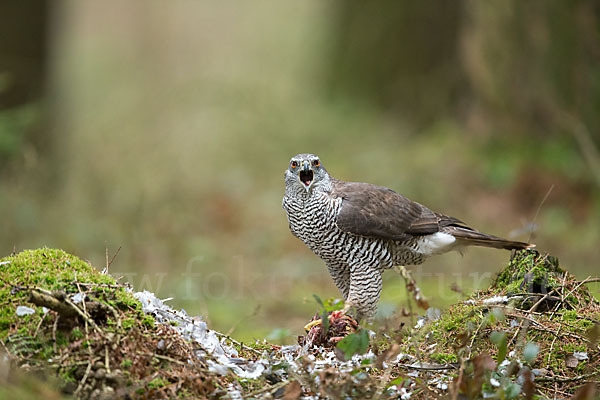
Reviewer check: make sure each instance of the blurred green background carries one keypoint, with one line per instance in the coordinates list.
(164, 128)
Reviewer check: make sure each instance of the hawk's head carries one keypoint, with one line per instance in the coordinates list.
(306, 172)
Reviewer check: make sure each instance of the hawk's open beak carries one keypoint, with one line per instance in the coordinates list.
(306, 175)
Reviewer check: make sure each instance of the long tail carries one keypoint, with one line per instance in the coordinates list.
(475, 238)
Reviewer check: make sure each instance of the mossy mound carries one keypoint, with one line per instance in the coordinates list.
(58, 313)
(53, 271)
(529, 272)
(535, 317)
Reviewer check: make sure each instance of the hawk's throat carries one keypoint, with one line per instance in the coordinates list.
(306, 177)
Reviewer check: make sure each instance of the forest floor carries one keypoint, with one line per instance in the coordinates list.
(67, 329)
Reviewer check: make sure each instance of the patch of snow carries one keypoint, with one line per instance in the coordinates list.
(433, 314)
(234, 393)
(24, 310)
(420, 323)
(77, 298)
(194, 329)
(496, 300)
(404, 394)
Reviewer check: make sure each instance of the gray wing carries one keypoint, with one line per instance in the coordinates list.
(375, 211)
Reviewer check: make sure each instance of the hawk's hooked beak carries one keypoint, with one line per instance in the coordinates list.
(306, 175)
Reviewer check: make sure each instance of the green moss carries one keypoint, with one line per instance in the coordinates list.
(148, 321)
(45, 268)
(569, 348)
(112, 313)
(250, 385)
(458, 318)
(529, 272)
(57, 271)
(128, 323)
(157, 383)
(444, 358)
(578, 321)
(76, 334)
(61, 338)
(453, 334)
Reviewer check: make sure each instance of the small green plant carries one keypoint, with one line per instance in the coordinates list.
(128, 323)
(499, 339)
(157, 383)
(355, 343)
(76, 334)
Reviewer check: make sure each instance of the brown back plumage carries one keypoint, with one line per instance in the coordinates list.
(375, 211)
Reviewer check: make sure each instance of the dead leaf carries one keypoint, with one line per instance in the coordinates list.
(571, 361)
(293, 391)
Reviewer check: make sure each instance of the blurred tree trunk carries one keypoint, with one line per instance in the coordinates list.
(483, 62)
(399, 55)
(530, 62)
(23, 65)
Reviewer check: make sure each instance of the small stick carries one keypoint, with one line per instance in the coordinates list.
(54, 333)
(565, 378)
(430, 368)
(37, 328)
(85, 376)
(106, 359)
(267, 388)
(539, 209)
(109, 263)
(242, 345)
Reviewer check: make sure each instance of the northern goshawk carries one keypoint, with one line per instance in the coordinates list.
(360, 230)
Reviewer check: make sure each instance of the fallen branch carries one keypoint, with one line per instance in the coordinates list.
(268, 389)
(51, 302)
(566, 378)
(429, 367)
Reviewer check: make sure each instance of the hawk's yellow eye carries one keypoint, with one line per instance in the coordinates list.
(316, 163)
(294, 164)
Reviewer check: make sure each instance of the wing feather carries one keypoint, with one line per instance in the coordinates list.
(375, 211)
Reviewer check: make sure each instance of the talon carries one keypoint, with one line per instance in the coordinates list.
(311, 324)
